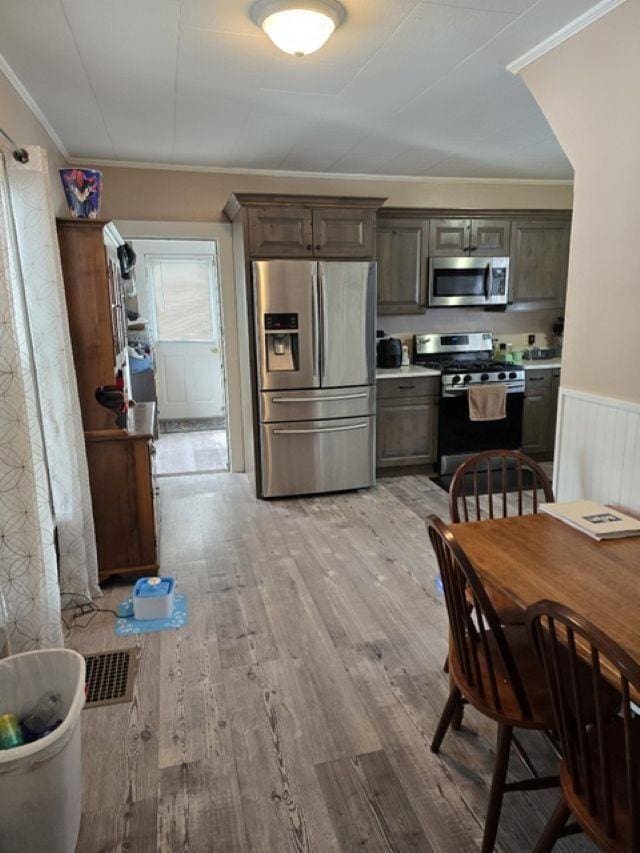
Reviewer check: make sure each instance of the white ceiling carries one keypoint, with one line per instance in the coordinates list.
(402, 88)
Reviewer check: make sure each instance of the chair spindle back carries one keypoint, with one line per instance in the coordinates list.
(598, 751)
(482, 485)
(476, 634)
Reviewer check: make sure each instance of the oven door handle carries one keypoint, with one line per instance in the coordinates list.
(487, 281)
(458, 392)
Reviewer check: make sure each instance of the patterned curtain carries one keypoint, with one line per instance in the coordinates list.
(43, 470)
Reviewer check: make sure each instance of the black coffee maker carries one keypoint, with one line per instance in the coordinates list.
(389, 353)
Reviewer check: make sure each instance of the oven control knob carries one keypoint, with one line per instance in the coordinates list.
(467, 378)
(513, 375)
(455, 380)
(484, 377)
(502, 376)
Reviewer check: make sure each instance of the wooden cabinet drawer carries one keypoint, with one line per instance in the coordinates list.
(419, 386)
(535, 379)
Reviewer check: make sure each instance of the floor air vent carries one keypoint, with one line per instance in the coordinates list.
(111, 676)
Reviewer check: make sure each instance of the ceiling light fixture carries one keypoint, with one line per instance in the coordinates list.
(298, 27)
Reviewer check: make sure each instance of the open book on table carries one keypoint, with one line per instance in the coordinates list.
(594, 519)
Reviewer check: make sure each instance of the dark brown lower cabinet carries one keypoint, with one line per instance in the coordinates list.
(407, 425)
(122, 491)
(539, 414)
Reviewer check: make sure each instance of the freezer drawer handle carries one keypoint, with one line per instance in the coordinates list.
(318, 399)
(319, 429)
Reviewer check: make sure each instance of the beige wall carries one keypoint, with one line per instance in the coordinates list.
(159, 194)
(24, 128)
(501, 323)
(588, 89)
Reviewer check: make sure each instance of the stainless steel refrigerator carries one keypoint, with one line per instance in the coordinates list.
(315, 344)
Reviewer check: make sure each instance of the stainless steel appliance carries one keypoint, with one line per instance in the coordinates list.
(315, 341)
(468, 281)
(464, 359)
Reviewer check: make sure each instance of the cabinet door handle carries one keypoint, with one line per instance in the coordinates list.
(406, 387)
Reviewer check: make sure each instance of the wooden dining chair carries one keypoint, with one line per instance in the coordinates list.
(497, 484)
(600, 767)
(493, 667)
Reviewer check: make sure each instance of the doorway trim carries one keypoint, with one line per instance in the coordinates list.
(221, 233)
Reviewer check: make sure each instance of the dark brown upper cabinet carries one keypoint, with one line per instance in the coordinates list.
(344, 232)
(280, 232)
(539, 263)
(449, 237)
(490, 237)
(461, 237)
(403, 246)
(297, 226)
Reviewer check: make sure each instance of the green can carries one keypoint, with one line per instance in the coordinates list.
(10, 734)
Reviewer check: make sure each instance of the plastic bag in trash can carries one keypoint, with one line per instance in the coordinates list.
(41, 782)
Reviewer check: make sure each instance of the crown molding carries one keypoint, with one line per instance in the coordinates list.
(580, 23)
(327, 176)
(21, 89)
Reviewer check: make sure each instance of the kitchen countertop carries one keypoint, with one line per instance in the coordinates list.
(413, 370)
(541, 363)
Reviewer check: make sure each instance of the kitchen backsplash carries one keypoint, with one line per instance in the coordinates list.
(512, 327)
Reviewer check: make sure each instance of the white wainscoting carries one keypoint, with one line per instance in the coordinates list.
(597, 450)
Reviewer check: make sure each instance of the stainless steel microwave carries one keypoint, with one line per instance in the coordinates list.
(468, 281)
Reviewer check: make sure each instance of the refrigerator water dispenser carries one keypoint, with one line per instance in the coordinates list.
(281, 341)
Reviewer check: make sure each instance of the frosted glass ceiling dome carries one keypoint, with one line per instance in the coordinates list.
(298, 27)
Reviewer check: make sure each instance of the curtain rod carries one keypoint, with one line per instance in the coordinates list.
(19, 154)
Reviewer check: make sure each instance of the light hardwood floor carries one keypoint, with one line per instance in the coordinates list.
(295, 711)
(191, 452)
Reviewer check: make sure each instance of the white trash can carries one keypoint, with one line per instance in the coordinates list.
(41, 782)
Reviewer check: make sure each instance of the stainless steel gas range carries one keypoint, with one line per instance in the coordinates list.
(465, 359)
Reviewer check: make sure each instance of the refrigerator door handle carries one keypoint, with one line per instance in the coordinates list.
(319, 318)
(319, 429)
(332, 399)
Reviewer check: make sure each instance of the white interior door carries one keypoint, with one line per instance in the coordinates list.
(186, 329)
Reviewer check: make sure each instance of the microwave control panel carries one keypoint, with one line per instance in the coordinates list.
(499, 281)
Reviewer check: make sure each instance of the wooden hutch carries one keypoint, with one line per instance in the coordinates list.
(120, 460)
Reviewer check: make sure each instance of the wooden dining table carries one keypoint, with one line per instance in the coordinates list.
(534, 557)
